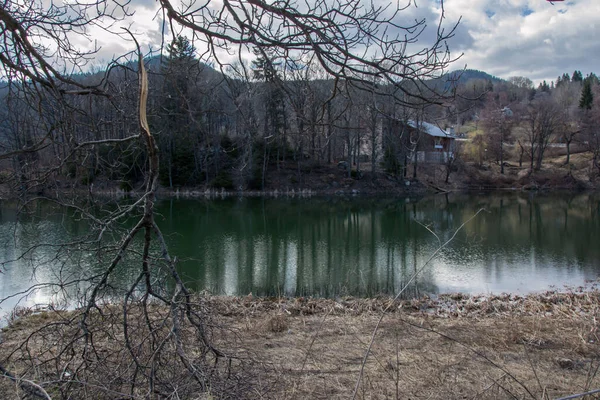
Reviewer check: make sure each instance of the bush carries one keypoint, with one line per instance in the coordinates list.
(222, 181)
(356, 174)
(230, 148)
(391, 163)
(182, 166)
(71, 169)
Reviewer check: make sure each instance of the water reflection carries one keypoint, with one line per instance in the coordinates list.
(330, 246)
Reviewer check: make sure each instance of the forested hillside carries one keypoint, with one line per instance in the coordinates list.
(234, 127)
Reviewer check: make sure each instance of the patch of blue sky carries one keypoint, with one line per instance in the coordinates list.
(525, 11)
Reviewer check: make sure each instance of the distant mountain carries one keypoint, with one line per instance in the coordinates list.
(461, 77)
(466, 75)
(154, 64)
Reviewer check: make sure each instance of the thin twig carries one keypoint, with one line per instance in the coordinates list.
(576, 396)
(475, 351)
(314, 338)
(534, 370)
(30, 387)
(412, 278)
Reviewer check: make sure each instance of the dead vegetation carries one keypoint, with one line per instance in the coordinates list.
(488, 347)
(555, 174)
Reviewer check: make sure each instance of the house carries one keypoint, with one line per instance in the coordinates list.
(433, 144)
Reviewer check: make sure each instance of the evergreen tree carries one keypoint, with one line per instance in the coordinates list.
(264, 69)
(179, 62)
(593, 79)
(577, 76)
(565, 78)
(544, 87)
(175, 140)
(587, 98)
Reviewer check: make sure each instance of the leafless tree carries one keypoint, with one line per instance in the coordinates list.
(544, 120)
(498, 120)
(590, 132)
(155, 341)
(567, 97)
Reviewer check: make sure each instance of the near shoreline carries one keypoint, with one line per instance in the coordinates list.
(543, 345)
(328, 180)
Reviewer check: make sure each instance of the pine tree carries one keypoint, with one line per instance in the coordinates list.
(180, 59)
(561, 80)
(178, 70)
(264, 69)
(593, 79)
(577, 76)
(587, 97)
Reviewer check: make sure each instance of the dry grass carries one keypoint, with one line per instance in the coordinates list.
(455, 347)
(540, 346)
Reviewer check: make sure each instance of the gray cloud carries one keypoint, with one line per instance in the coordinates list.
(532, 38)
(528, 37)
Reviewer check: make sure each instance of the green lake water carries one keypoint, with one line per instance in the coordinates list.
(329, 247)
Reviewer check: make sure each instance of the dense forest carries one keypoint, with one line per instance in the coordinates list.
(231, 127)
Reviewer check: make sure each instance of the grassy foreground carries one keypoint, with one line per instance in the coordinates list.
(542, 346)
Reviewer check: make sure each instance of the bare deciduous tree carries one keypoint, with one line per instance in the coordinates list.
(498, 120)
(544, 119)
(149, 336)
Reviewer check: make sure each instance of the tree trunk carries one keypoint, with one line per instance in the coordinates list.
(501, 154)
(329, 138)
(349, 143)
(521, 154)
(532, 153)
(415, 165)
(374, 150)
(264, 166)
(357, 155)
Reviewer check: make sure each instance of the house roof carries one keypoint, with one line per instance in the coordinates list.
(431, 129)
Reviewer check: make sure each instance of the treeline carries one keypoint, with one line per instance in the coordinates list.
(231, 128)
(530, 119)
(226, 129)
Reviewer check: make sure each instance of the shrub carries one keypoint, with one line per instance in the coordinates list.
(222, 181)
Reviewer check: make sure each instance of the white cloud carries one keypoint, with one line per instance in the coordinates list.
(529, 37)
(532, 38)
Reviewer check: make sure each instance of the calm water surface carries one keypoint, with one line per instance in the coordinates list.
(332, 246)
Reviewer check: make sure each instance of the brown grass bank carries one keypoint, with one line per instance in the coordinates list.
(542, 346)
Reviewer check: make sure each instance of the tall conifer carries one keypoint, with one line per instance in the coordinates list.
(587, 98)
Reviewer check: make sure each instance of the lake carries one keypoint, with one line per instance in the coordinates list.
(327, 247)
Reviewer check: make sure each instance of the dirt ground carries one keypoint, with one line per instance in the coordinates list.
(541, 346)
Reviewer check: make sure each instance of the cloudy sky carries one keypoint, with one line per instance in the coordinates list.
(532, 38)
